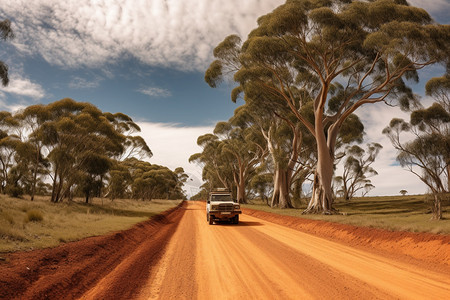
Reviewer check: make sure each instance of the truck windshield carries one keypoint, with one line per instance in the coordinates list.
(221, 198)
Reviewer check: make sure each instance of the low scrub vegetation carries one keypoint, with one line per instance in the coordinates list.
(404, 213)
(26, 225)
(34, 215)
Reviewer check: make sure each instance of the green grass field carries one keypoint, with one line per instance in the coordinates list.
(26, 225)
(404, 213)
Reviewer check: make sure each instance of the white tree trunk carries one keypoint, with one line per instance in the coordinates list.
(281, 197)
(322, 196)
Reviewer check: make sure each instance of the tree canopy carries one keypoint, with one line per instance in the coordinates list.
(81, 151)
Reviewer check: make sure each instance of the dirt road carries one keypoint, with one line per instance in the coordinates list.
(262, 260)
(177, 255)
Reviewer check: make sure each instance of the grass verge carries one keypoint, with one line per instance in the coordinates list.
(396, 213)
(27, 225)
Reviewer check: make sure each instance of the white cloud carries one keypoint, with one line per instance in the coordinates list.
(435, 6)
(21, 86)
(172, 146)
(169, 33)
(83, 83)
(9, 107)
(155, 92)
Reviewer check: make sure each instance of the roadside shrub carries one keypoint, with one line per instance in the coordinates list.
(14, 191)
(34, 215)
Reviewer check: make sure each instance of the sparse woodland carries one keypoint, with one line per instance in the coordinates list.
(72, 149)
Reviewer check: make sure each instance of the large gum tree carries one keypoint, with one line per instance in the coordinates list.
(367, 49)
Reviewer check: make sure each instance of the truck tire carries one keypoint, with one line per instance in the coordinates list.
(236, 219)
(210, 220)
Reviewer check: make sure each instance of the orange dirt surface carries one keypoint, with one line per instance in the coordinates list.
(266, 256)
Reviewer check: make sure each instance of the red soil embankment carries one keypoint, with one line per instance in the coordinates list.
(65, 272)
(428, 247)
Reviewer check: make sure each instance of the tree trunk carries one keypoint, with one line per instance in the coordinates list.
(322, 197)
(346, 194)
(35, 171)
(33, 185)
(241, 191)
(437, 209)
(448, 177)
(54, 186)
(281, 197)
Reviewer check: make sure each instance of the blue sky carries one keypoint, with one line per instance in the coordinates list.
(145, 58)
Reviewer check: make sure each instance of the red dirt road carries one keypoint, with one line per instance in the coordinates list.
(256, 259)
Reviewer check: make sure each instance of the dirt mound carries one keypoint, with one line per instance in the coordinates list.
(431, 248)
(67, 271)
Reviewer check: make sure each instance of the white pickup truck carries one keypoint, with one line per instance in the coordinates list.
(220, 206)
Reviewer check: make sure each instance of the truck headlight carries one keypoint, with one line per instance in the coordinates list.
(237, 207)
(214, 207)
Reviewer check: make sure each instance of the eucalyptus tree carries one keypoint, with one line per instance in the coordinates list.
(427, 155)
(28, 164)
(9, 142)
(369, 47)
(6, 33)
(439, 89)
(76, 135)
(262, 185)
(150, 181)
(134, 145)
(31, 118)
(243, 147)
(181, 178)
(357, 169)
(8, 149)
(216, 169)
(282, 134)
(119, 181)
(283, 138)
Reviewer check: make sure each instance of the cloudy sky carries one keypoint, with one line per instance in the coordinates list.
(146, 58)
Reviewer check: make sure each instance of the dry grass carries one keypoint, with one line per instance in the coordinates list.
(26, 225)
(404, 213)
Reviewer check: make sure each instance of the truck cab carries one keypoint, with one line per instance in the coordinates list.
(220, 206)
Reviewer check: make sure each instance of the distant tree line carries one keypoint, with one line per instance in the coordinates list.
(72, 149)
(303, 73)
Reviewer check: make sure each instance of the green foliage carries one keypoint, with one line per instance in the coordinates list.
(74, 142)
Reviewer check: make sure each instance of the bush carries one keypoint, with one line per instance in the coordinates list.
(14, 191)
(34, 215)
